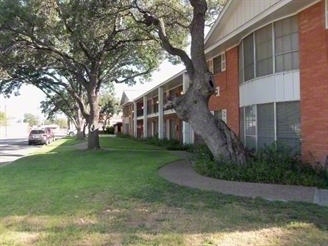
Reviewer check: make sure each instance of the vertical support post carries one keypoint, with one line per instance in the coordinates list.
(187, 132)
(160, 113)
(145, 117)
(135, 129)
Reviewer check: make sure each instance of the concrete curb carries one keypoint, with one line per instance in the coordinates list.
(181, 173)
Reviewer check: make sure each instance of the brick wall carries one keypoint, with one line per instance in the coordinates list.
(314, 83)
(229, 90)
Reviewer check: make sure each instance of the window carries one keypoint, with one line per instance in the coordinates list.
(242, 124)
(265, 120)
(263, 44)
(219, 64)
(221, 115)
(241, 63)
(210, 65)
(258, 56)
(288, 124)
(248, 57)
(262, 124)
(250, 126)
(286, 44)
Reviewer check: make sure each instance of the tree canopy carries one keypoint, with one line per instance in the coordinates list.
(73, 45)
(61, 45)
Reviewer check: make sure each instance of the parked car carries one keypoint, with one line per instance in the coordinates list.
(38, 136)
(71, 132)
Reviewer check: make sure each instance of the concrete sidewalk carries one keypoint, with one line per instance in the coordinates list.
(181, 173)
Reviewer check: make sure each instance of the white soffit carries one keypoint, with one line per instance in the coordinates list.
(239, 17)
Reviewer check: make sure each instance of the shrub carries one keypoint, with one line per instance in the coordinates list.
(275, 163)
(110, 130)
(169, 144)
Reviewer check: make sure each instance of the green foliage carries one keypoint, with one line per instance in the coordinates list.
(110, 130)
(3, 118)
(70, 49)
(273, 164)
(169, 144)
(31, 119)
(109, 106)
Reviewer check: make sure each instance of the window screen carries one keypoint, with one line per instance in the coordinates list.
(241, 63)
(288, 124)
(265, 119)
(248, 45)
(263, 39)
(173, 127)
(242, 125)
(286, 44)
(217, 64)
(250, 126)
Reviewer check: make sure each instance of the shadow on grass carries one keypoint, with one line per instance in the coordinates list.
(69, 196)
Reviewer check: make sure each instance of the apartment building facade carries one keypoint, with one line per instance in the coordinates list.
(270, 63)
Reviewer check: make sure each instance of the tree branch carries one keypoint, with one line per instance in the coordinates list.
(149, 20)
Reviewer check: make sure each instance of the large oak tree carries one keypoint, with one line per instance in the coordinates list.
(192, 106)
(56, 44)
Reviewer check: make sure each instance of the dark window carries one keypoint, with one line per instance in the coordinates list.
(288, 124)
(242, 125)
(217, 64)
(265, 120)
(241, 63)
(263, 39)
(286, 44)
(248, 45)
(257, 54)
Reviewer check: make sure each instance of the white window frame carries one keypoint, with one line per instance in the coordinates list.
(210, 65)
(223, 63)
(224, 115)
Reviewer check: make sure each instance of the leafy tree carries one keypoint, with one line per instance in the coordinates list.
(31, 119)
(61, 122)
(109, 106)
(62, 102)
(192, 106)
(58, 45)
(3, 118)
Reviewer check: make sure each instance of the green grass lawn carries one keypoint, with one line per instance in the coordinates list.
(63, 195)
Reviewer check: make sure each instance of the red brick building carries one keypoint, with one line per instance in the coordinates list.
(270, 63)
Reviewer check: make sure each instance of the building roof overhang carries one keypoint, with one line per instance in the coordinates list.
(220, 38)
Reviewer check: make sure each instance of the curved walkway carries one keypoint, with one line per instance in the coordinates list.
(181, 172)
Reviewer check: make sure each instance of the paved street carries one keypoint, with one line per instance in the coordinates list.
(14, 148)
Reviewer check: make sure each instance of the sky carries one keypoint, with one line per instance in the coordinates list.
(30, 97)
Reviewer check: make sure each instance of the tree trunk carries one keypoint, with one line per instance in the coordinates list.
(193, 105)
(219, 138)
(93, 138)
(93, 122)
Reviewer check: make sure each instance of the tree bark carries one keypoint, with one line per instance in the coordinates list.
(93, 134)
(219, 138)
